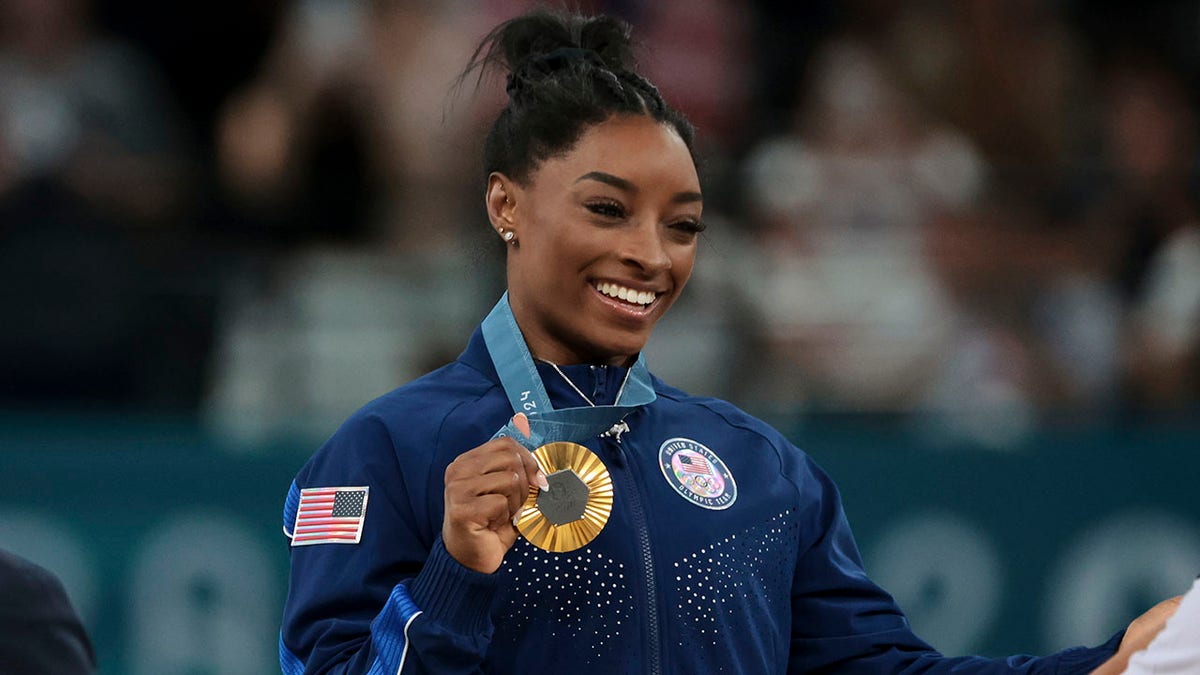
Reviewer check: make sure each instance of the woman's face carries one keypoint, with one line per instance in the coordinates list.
(605, 237)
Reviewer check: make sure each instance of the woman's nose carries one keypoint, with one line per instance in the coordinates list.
(644, 246)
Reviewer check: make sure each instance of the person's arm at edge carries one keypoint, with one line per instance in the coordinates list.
(41, 631)
(1140, 636)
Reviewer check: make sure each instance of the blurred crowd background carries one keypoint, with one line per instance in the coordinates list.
(933, 224)
(265, 213)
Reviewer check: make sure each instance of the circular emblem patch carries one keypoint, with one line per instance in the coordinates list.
(697, 474)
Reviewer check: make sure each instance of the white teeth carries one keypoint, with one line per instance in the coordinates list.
(627, 294)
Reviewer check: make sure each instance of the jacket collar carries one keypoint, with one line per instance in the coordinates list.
(600, 384)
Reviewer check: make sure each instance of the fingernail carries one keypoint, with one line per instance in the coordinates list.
(542, 482)
(521, 422)
(518, 516)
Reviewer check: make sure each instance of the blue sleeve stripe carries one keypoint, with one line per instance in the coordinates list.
(288, 661)
(389, 632)
(289, 509)
(389, 636)
(405, 654)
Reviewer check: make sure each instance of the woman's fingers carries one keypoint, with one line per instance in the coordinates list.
(521, 422)
(537, 477)
(512, 485)
(485, 489)
(489, 511)
(499, 455)
(501, 467)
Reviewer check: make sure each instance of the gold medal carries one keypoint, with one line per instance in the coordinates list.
(577, 506)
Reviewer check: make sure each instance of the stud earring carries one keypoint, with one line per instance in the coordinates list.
(508, 236)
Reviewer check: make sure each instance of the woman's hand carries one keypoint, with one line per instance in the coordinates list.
(1138, 636)
(485, 488)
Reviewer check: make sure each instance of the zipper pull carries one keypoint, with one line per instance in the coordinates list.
(611, 440)
(616, 430)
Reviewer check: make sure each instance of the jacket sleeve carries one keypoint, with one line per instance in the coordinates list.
(39, 630)
(843, 623)
(396, 602)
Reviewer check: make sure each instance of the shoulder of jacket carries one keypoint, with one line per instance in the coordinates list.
(794, 465)
(413, 414)
(427, 399)
(22, 578)
(725, 411)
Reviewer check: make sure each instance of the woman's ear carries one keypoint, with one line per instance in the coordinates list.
(501, 203)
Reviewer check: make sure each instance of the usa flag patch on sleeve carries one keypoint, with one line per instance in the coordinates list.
(330, 515)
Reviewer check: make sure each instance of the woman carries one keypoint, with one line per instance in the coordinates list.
(715, 545)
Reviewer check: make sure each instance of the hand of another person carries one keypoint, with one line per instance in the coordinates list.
(485, 488)
(1138, 636)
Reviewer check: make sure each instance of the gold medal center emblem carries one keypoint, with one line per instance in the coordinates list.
(578, 504)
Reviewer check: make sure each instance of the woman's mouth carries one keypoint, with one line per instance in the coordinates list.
(626, 295)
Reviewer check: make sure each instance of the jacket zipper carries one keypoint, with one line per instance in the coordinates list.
(643, 530)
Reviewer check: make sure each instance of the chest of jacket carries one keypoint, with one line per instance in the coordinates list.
(700, 546)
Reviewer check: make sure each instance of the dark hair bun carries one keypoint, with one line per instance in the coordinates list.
(566, 72)
(533, 36)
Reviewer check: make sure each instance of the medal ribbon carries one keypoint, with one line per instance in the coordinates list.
(527, 394)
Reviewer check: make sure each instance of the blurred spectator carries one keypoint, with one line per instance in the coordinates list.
(84, 113)
(996, 261)
(181, 36)
(712, 85)
(1149, 219)
(347, 134)
(90, 176)
(334, 329)
(349, 148)
(1009, 74)
(784, 36)
(923, 228)
(853, 316)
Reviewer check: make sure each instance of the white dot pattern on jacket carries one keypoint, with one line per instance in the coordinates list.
(552, 593)
(718, 587)
(712, 593)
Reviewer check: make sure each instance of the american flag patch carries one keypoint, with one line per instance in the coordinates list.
(330, 515)
(694, 464)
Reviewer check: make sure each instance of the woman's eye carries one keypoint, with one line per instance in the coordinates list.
(689, 226)
(606, 209)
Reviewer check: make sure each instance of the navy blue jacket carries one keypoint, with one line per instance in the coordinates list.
(761, 576)
(40, 634)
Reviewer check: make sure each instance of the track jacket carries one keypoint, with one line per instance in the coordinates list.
(737, 560)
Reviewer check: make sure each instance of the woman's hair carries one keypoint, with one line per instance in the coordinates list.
(566, 73)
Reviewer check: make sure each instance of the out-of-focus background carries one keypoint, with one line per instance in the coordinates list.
(953, 252)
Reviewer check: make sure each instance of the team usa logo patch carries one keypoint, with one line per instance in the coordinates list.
(697, 474)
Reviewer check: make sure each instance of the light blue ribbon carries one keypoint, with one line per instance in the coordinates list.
(527, 394)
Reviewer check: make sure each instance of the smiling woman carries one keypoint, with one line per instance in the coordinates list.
(544, 503)
(605, 239)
